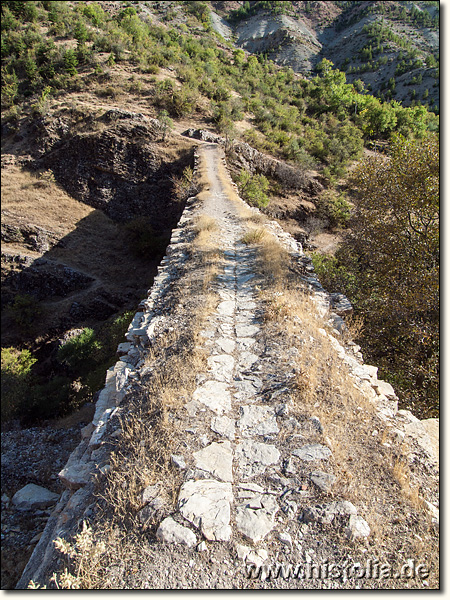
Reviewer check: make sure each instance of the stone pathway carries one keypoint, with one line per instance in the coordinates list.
(218, 496)
(226, 494)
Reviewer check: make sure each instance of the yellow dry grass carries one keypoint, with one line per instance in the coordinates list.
(39, 200)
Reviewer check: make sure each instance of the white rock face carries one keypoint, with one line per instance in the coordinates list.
(224, 427)
(253, 457)
(206, 504)
(216, 459)
(33, 497)
(257, 420)
(357, 528)
(313, 452)
(214, 395)
(172, 532)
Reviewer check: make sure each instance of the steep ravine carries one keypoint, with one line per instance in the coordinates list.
(82, 266)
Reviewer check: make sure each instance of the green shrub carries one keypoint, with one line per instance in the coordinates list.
(24, 310)
(166, 122)
(10, 88)
(253, 188)
(16, 380)
(80, 351)
(70, 61)
(335, 208)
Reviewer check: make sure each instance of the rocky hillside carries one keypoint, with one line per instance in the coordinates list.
(391, 47)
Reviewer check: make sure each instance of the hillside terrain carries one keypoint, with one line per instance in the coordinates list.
(104, 106)
(390, 48)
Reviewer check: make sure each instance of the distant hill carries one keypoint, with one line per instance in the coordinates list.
(391, 47)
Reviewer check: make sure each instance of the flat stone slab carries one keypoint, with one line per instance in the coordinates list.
(313, 452)
(221, 367)
(224, 427)
(246, 305)
(244, 278)
(244, 331)
(217, 459)
(245, 317)
(206, 504)
(34, 496)
(257, 420)
(253, 457)
(254, 524)
(172, 532)
(226, 329)
(245, 343)
(247, 388)
(226, 308)
(76, 475)
(215, 395)
(226, 294)
(247, 359)
(227, 345)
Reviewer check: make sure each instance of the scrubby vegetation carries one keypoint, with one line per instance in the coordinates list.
(78, 371)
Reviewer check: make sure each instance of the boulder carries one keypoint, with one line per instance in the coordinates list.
(313, 452)
(33, 497)
(172, 532)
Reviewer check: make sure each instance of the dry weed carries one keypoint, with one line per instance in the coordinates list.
(254, 236)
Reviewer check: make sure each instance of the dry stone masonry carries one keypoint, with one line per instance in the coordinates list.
(241, 471)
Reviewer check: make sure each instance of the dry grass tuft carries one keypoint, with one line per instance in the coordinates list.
(254, 236)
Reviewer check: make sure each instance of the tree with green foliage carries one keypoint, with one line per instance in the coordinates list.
(10, 88)
(79, 352)
(16, 380)
(253, 188)
(70, 61)
(396, 242)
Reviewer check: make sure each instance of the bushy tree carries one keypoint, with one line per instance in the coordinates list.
(16, 378)
(253, 188)
(396, 242)
(79, 351)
